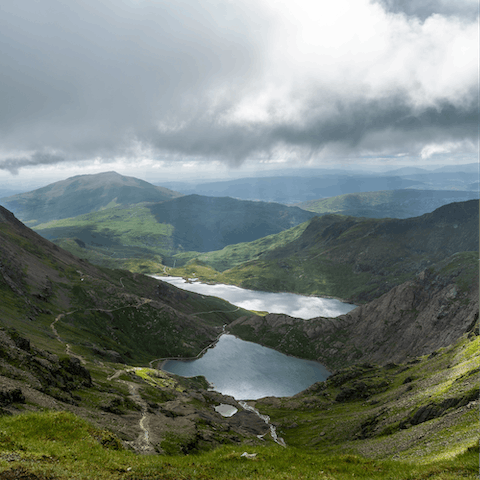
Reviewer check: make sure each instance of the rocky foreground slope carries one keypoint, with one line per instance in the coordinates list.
(71, 335)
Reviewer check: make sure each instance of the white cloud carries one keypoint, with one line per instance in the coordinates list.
(447, 147)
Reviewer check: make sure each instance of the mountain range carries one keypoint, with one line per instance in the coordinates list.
(296, 186)
(78, 341)
(133, 224)
(388, 203)
(351, 258)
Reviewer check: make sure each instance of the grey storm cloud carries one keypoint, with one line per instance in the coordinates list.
(426, 8)
(14, 164)
(353, 125)
(107, 79)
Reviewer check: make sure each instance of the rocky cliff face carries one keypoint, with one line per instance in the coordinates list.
(413, 319)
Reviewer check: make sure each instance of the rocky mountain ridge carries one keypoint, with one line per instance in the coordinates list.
(359, 259)
(415, 318)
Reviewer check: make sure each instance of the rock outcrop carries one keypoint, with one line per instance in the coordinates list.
(415, 318)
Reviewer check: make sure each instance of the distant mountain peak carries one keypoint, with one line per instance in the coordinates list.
(84, 194)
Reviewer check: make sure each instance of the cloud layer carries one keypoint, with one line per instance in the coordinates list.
(216, 79)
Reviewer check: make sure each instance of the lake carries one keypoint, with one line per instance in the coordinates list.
(299, 306)
(248, 371)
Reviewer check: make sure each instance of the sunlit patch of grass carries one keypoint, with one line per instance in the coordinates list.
(157, 378)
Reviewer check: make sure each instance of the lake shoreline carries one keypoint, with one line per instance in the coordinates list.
(249, 370)
(162, 361)
(294, 305)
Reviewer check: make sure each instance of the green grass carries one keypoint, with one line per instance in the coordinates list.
(116, 237)
(377, 423)
(132, 224)
(60, 445)
(233, 255)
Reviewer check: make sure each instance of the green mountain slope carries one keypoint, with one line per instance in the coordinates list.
(387, 203)
(95, 308)
(356, 258)
(77, 338)
(233, 255)
(83, 194)
(204, 224)
(419, 411)
(153, 233)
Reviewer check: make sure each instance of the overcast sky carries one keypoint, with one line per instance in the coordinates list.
(90, 85)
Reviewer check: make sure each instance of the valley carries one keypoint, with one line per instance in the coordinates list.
(79, 339)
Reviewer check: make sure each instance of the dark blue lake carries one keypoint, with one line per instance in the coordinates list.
(248, 371)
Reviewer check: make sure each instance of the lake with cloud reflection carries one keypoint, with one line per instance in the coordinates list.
(246, 370)
(299, 306)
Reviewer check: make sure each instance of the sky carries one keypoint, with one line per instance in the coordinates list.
(209, 88)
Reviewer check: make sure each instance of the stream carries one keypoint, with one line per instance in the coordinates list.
(266, 419)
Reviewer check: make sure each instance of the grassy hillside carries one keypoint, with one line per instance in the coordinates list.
(83, 194)
(418, 411)
(145, 236)
(113, 236)
(233, 255)
(387, 203)
(208, 223)
(98, 309)
(353, 258)
(59, 446)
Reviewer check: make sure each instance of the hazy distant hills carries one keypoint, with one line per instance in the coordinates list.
(316, 184)
(388, 203)
(83, 194)
(292, 190)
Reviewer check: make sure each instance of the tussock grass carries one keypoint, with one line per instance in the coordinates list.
(62, 446)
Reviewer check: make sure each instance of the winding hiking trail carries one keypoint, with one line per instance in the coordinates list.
(68, 348)
(143, 440)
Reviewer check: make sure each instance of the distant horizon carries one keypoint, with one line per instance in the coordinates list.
(38, 177)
